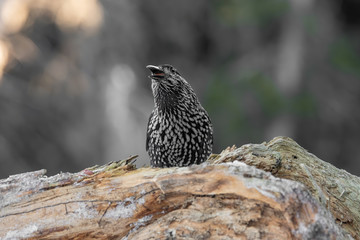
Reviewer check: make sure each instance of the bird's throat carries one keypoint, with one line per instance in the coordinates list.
(167, 103)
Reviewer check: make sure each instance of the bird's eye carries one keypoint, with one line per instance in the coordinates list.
(173, 70)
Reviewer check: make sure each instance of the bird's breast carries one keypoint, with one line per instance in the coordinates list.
(177, 127)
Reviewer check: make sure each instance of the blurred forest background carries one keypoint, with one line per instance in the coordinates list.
(74, 90)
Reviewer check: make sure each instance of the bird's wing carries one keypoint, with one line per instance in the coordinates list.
(207, 119)
(210, 136)
(148, 131)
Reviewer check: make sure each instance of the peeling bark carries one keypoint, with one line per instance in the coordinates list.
(221, 199)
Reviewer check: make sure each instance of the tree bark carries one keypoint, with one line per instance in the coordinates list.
(221, 199)
(335, 189)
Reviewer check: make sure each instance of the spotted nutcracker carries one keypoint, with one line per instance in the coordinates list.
(179, 131)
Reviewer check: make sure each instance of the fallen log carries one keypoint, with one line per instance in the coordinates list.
(335, 189)
(221, 199)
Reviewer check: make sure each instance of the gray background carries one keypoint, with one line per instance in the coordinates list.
(74, 90)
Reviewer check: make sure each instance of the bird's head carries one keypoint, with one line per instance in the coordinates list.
(169, 87)
(163, 72)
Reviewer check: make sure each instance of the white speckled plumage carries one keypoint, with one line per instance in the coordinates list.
(179, 130)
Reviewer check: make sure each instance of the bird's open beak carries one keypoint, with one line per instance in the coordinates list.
(156, 72)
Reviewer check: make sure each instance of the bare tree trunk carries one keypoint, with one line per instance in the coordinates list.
(223, 199)
(290, 63)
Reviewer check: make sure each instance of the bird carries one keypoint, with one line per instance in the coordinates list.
(179, 131)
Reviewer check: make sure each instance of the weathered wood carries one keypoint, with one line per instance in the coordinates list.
(336, 189)
(116, 201)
